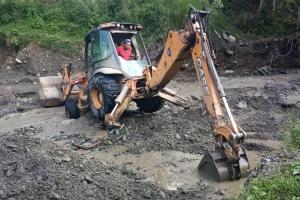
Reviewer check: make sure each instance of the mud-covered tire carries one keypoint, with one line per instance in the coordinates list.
(71, 109)
(150, 105)
(109, 87)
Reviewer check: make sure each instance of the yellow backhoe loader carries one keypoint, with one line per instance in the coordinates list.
(110, 82)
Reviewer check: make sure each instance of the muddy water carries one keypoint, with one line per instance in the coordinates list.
(169, 169)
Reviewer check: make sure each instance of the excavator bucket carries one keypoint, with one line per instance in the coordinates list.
(50, 91)
(215, 166)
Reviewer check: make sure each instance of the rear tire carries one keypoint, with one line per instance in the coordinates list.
(102, 92)
(71, 109)
(150, 105)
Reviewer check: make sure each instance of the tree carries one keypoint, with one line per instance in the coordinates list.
(267, 5)
(298, 17)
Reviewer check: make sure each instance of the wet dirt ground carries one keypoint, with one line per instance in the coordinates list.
(159, 157)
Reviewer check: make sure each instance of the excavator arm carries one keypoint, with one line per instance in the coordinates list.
(229, 159)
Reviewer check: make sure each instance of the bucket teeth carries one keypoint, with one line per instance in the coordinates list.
(216, 166)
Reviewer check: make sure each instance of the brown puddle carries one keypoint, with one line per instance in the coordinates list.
(170, 169)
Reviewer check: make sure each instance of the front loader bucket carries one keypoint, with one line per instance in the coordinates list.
(50, 91)
(215, 166)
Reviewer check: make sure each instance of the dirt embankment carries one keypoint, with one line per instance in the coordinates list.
(258, 57)
(19, 73)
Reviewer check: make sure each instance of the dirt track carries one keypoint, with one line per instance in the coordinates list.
(158, 160)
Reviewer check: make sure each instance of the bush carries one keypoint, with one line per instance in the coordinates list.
(47, 20)
(244, 14)
(291, 136)
(284, 185)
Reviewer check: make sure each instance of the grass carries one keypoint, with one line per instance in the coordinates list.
(20, 33)
(285, 184)
(291, 136)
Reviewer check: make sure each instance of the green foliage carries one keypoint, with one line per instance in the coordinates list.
(284, 185)
(246, 15)
(68, 20)
(291, 136)
(63, 23)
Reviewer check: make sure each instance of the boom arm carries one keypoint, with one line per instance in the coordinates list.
(184, 45)
(176, 51)
(193, 43)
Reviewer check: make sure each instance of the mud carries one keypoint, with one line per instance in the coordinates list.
(159, 157)
(19, 72)
(33, 169)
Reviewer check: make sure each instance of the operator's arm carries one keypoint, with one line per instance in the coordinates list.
(132, 55)
(119, 50)
(126, 54)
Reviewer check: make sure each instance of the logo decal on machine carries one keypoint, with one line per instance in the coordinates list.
(202, 76)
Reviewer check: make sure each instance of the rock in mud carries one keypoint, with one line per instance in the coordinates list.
(221, 192)
(66, 158)
(266, 70)
(178, 137)
(67, 121)
(195, 98)
(3, 194)
(229, 72)
(88, 179)
(290, 100)
(127, 170)
(204, 184)
(163, 195)
(18, 61)
(166, 106)
(57, 160)
(55, 196)
(12, 146)
(242, 105)
(265, 160)
(147, 194)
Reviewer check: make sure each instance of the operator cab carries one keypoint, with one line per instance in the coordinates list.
(101, 50)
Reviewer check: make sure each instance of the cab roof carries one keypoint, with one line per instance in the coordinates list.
(115, 26)
(121, 26)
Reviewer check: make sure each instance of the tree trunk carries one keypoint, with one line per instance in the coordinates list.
(267, 5)
(261, 5)
(273, 6)
(298, 17)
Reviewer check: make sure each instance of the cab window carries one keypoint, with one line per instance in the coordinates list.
(103, 52)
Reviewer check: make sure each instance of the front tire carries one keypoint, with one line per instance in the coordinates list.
(150, 105)
(102, 92)
(71, 109)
